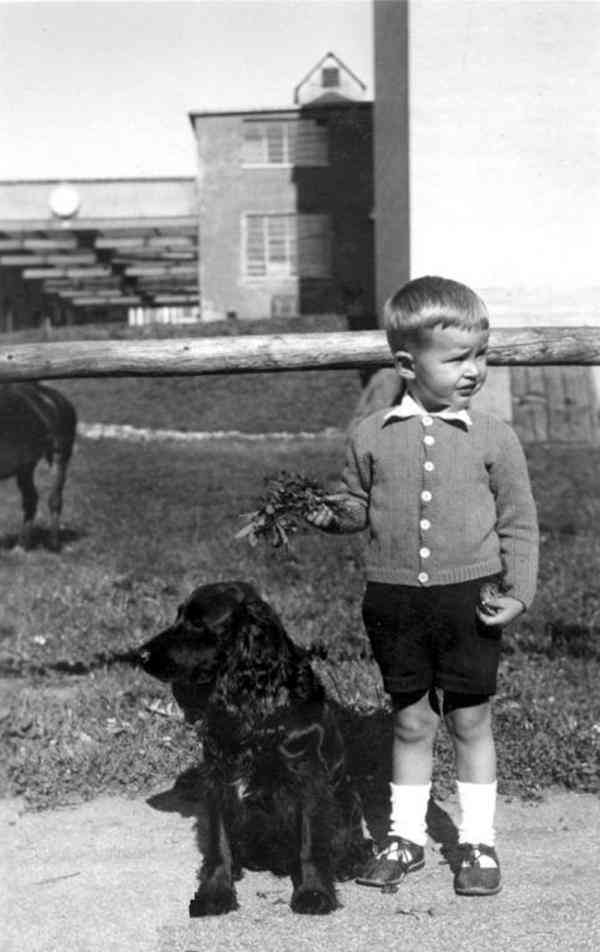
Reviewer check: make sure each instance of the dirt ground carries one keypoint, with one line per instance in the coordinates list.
(116, 875)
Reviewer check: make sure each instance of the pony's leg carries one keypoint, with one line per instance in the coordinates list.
(55, 500)
(29, 498)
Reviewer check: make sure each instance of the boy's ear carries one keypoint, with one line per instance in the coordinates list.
(404, 364)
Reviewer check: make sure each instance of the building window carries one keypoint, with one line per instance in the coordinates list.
(330, 77)
(287, 246)
(285, 142)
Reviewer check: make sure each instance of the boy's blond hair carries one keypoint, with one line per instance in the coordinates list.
(429, 302)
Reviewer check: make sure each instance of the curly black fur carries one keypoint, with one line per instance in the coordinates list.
(278, 793)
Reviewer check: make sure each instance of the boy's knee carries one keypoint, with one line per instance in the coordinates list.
(470, 722)
(416, 721)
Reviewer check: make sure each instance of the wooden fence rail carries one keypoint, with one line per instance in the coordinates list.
(276, 352)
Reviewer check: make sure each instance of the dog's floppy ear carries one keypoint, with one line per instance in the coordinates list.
(256, 609)
(260, 631)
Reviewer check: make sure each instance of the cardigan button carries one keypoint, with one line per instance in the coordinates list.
(423, 578)
(426, 421)
(426, 496)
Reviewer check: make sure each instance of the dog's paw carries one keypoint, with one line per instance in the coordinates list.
(353, 859)
(213, 899)
(309, 900)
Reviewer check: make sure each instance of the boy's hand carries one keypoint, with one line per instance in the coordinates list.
(324, 517)
(499, 610)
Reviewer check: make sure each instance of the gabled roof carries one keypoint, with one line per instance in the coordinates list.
(328, 56)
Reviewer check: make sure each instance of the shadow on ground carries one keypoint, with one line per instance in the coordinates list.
(368, 739)
(41, 538)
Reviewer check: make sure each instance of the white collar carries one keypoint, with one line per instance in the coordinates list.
(408, 407)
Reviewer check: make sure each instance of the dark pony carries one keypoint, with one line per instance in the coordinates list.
(276, 784)
(36, 421)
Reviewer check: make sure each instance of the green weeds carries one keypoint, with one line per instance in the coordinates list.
(146, 523)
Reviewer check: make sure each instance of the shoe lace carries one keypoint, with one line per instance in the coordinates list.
(472, 855)
(396, 851)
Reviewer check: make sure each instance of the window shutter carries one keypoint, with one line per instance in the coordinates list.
(314, 246)
(311, 143)
(255, 246)
(330, 77)
(276, 144)
(272, 244)
(293, 243)
(254, 143)
(301, 141)
(277, 231)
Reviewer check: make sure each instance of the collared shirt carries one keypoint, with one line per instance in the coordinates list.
(408, 407)
(442, 503)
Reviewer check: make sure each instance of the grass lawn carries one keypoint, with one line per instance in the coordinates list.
(305, 400)
(143, 524)
(293, 401)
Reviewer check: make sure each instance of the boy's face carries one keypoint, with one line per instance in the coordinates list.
(447, 368)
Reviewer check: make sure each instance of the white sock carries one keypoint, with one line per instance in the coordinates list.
(478, 806)
(409, 808)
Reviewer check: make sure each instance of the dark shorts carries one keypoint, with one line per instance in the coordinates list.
(431, 637)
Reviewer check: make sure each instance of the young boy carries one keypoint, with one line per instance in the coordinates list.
(445, 494)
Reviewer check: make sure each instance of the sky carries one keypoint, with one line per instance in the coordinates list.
(103, 89)
(505, 140)
(504, 105)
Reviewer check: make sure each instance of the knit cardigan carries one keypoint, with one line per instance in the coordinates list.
(443, 502)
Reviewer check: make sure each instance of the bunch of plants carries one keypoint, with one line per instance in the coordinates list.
(287, 500)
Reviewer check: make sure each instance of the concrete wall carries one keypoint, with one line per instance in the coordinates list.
(101, 199)
(343, 189)
(225, 196)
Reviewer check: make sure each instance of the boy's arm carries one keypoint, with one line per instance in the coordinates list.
(516, 525)
(348, 509)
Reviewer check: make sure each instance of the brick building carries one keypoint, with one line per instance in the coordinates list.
(286, 201)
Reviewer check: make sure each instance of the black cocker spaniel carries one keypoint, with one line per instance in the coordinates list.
(278, 793)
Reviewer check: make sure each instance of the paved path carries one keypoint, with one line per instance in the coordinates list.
(115, 875)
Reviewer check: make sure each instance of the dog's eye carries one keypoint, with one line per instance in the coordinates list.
(195, 620)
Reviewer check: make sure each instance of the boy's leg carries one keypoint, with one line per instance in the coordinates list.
(470, 724)
(469, 720)
(415, 724)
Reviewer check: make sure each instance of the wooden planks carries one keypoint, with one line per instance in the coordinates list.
(554, 404)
